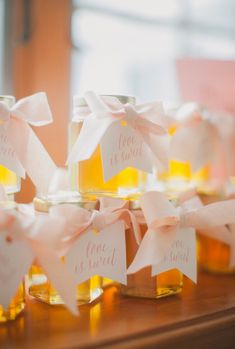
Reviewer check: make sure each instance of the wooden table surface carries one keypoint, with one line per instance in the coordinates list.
(203, 316)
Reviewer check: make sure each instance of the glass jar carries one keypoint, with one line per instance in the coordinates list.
(141, 283)
(40, 287)
(8, 179)
(17, 303)
(87, 175)
(213, 255)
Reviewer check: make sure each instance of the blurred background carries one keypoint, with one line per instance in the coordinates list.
(169, 50)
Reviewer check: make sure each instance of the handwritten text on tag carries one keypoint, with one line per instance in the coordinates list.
(102, 253)
(123, 147)
(8, 156)
(181, 255)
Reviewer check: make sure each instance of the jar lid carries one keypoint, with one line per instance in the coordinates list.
(8, 205)
(8, 100)
(43, 203)
(79, 101)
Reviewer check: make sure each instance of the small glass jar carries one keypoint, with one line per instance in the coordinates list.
(17, 303)
(213, 255)
(8, 179)
(87, 175)
(40, 287)
(141, 283)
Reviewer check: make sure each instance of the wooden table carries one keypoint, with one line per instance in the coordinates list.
(203, 316)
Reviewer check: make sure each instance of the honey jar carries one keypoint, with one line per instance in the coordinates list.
(87, 175)
(141, 283)
(40, 287)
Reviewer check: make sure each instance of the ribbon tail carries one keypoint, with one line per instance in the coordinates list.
(3, 194)
(57, 273)
(152, 249)
(136, 227)
(214, 215)
(89, 138)
(32, 154)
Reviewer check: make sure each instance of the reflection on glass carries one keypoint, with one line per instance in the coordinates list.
(95, 312)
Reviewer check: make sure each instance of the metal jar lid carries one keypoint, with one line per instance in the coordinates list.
(79, 101)
(8, 100)
(43, 203)
(81, 109)
(8, 205)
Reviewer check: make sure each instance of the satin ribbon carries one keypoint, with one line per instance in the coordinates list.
(30, 230)
(60, 181)
(80, 220)
(202, 138)
(163, 220)
(104, 112)
(29, 153)
(3, 194)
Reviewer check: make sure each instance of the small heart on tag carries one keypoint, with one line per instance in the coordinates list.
(123, 122)
(8, 239)
(95, 231)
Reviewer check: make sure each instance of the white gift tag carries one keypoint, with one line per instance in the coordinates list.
(15, 260)
(122, 147)
(181, 255)
(8, 156)
(102, 253)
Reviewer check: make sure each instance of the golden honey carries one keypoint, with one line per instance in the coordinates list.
(8, 179)
(40, 287)
(141, 283)
(15, 307)
(214, 255)
(89, 173)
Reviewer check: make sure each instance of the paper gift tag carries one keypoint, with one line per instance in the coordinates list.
(15, 260)
(181, 255)
(121, 147)
(100, 253)
(201, 137)
(8, 156)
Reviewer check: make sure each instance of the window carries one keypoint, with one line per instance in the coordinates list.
(130, 47)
